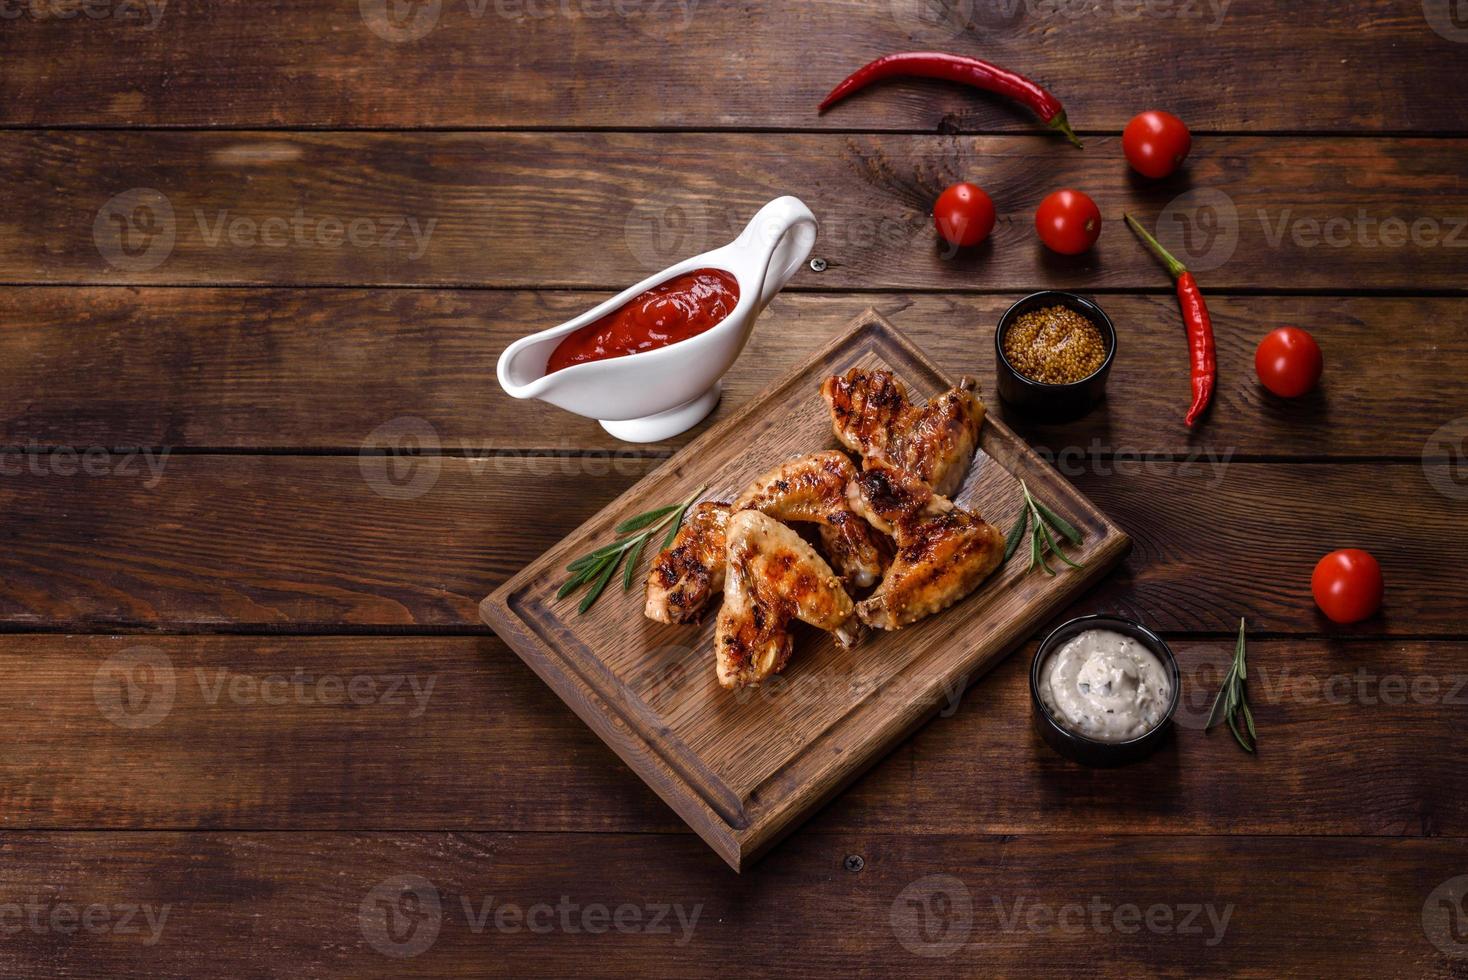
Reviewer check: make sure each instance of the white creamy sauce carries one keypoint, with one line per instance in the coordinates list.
(1106, 686)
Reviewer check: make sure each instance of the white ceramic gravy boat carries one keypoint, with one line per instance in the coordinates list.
(656, 394)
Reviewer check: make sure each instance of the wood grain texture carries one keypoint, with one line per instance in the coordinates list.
(742, 769)
(294, 542)
(257, 901)
(602, 210)
(455, 733)
(304, 543)
(287, 369)
(506, 63)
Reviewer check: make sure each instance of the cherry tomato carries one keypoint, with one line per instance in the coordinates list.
(1347, 585)
(1156, 143)
(1068, 221)
(964, 214)
(1289, 362)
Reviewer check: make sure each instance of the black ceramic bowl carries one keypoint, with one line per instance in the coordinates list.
(1046, 402)
(1090, 751)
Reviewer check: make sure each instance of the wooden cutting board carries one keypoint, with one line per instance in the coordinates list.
(744, 768)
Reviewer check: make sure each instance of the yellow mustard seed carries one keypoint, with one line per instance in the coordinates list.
(1055, 345)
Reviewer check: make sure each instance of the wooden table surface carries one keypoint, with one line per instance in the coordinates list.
(257, 261)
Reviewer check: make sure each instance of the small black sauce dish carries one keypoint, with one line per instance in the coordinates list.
(1090, 751)
(1047, 402)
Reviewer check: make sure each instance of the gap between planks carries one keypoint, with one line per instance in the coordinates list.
(914, 833)
(940, 130)
(374, 632)
(1253, 292)
(511, 452)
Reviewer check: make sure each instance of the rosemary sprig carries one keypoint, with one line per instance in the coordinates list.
(597, 567)
(1047, 531)
(1233, 698)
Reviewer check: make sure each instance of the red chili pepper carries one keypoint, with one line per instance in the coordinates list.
(957, 68)
(1197, 321)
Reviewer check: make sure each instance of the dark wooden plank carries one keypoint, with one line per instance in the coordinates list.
(297, 733)
(1217, 541)
(315, 543)
(606, 209)
(244, 368)
(438, 733)
(284, 541)
(389, 905)
(1312, 65)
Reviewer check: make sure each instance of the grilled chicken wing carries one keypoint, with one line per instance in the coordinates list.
(872, 415)
(943, 551)
(813, 488)
(773, 577)
(691, 569)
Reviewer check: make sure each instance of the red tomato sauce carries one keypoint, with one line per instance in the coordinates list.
(684, 306)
